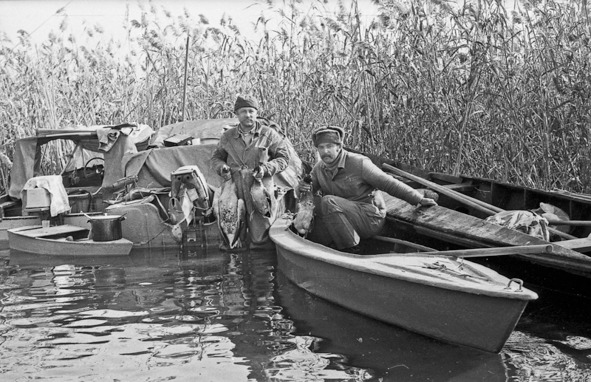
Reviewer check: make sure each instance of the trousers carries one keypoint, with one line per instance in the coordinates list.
(345, 221)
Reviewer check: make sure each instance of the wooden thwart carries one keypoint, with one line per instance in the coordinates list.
(37, 231)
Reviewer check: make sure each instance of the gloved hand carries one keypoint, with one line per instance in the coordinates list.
(259, 172)
(225, 172)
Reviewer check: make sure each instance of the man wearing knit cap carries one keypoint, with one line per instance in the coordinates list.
(247, 151)
(350, 206)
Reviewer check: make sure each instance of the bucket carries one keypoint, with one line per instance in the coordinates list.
(79, 201)
(106, 227)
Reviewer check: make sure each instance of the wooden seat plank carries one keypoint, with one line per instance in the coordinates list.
(53, 231)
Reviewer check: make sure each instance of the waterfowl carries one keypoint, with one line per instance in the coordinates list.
(230, 213)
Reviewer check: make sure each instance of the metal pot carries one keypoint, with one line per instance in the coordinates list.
(106, 227)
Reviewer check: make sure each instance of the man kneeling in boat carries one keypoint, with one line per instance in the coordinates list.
(350, 206)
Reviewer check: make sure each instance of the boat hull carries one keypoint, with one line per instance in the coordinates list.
(77, 219)
(15, 222)
(49, 241)
(478, 318)
(145, 228)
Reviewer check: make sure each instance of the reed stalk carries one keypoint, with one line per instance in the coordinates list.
(472, 88)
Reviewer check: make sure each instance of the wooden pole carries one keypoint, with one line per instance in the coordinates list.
(185, 79)
(500, 251)
(539, 249)
(441, 189)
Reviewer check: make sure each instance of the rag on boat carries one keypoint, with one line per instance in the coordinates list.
(527, 222)
(54, 185)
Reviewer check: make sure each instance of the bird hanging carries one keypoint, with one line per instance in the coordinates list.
(304, 210)
(230, 214)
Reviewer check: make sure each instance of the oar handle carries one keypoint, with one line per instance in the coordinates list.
(570, 222)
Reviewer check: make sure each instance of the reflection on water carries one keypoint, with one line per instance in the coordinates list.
(216, 316)
(211, 316)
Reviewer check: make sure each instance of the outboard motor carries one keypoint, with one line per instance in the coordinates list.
(190, 202)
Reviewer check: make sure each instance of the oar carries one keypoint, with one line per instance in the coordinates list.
(500, 251)
(538, 249)
(442, 190)
(570, 222)
(467, 200)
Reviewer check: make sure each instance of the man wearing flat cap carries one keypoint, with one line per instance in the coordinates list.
(351, 206)
(250, 150)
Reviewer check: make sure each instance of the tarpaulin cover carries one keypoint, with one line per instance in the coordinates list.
(206, 131)
(153, 167)
(25, 165)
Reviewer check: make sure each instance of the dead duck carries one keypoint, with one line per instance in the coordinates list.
(230, 213)
(304, 211)
(262, 199)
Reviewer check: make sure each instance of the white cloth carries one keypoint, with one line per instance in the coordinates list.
(53, 184)
(525, 221)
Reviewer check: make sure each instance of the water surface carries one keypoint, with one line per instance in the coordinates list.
(211, 316)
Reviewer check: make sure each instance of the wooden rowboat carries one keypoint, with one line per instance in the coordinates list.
(464, 203)
(468, 231)
(64, 240)
(437, 294)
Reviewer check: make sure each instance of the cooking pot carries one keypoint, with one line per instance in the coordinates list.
(106, 227)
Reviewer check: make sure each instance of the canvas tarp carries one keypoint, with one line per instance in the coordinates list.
(153, 167)
(26, 160)
(206, 131)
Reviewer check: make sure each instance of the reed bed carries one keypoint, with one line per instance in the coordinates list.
(477, 89)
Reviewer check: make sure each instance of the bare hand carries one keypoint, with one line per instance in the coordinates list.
(304, 186)
(226, 173)
(427, 202)
(258, 172)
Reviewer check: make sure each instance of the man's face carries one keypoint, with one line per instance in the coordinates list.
(328, 152)
(247, 116)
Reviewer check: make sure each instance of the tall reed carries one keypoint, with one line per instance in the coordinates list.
(476, 89)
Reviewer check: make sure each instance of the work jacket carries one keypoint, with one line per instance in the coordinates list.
(356, 178)
(267, 148)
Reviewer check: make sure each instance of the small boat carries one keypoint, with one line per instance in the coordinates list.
(64, 240)
(133, 178)
(460, 221)
(88, 177)
(437, 294)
